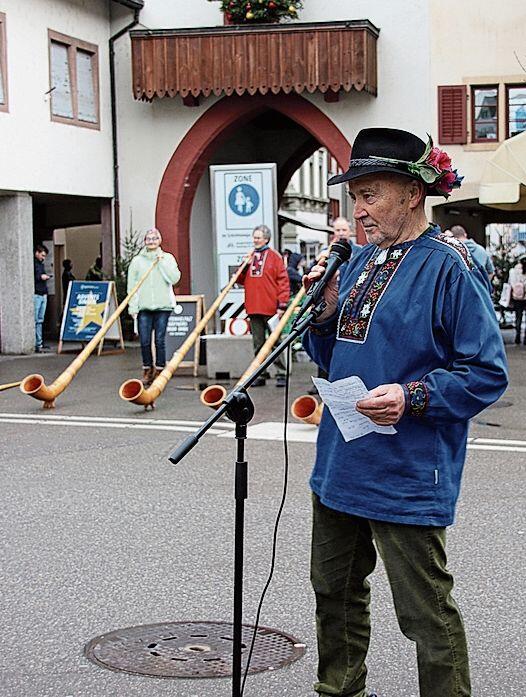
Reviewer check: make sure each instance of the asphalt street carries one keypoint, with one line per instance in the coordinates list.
(100, 532)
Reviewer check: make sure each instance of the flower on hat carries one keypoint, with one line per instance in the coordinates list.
(434, 168)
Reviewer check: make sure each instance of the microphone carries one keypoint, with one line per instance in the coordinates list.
(339, 253)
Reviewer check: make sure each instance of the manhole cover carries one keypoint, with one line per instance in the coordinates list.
(190, 649)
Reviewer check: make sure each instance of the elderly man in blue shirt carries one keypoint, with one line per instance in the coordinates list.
(412, 317)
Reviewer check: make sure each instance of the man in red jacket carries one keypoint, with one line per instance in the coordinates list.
(267, 293)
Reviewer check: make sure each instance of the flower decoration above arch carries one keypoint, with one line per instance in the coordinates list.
(259, 11)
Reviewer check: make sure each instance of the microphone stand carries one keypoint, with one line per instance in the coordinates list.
(238, 406)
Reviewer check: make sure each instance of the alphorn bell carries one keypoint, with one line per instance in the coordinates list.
(134, 391)
(35, 386)
(306, 408)
(213, 395)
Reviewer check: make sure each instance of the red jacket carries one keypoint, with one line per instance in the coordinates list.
(266, 283)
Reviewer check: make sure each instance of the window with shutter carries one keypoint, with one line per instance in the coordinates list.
(452, 114)
(3, 64)
(515, 109)
(61, 96)
(484, 113)
(86, 87)
(74, 81)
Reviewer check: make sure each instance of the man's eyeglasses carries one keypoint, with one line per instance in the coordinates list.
(154, 238)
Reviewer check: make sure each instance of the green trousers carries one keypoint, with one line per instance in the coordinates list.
(259, 329)
(343, 555)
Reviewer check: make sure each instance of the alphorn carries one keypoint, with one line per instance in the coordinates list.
(134, 391)
(35, 386)
(9, 385)
(213, 395)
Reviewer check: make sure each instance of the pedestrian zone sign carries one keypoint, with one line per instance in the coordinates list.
(243, 197)
(88, 306)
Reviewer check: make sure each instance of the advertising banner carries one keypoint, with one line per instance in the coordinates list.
(88, 306)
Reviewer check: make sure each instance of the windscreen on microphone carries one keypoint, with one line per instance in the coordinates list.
(339, 253)
(342, 250)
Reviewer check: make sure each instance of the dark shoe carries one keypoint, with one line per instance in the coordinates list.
(43, 349)
(259, 382)
(281, 381)
(147, 377)
(313, 391)
(156, 372)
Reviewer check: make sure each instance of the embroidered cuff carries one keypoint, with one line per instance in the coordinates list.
(324, 328)
(416, 397)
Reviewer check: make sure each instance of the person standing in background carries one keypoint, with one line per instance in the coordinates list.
(152, 304)
(479, 255)
(295, 269)
(267, 292)
(95, 272)
(40, 295)
(67, 276)
(517, 281)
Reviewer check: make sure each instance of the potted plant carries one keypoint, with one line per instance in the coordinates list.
(259, 11)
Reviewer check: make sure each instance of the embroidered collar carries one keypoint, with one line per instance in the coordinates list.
(382, 255)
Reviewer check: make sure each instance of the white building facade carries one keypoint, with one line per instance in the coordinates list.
(312, 86)
(56, 163)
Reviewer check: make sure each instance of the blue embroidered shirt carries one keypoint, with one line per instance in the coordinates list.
(424, 319)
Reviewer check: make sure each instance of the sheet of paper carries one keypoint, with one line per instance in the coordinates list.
(340, 398)
(273, 322)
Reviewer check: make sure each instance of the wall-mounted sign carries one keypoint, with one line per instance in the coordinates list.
(243, 196)
(181, 323)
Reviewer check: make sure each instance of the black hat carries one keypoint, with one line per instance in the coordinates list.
(391, 150)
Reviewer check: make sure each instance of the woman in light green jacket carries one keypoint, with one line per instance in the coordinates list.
(153, 302)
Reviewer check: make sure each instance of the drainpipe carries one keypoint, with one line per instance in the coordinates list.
(116, 196)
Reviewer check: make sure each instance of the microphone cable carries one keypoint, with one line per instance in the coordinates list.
(277, 521)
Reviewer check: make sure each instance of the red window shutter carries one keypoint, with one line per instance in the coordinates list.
(452, 114)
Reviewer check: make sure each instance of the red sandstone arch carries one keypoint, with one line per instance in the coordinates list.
(191, 157)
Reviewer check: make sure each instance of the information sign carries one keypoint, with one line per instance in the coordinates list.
(88, 306)
(243, 196)
(181, 323)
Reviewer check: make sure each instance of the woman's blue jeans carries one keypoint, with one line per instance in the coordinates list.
(154, 321)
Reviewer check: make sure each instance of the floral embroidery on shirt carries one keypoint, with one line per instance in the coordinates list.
(360, 305)
(258, 263)
(457, 245)
(418, 397)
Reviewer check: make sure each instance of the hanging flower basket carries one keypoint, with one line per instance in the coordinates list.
(259, 11)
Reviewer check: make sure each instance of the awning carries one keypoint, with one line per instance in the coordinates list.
(288, 218)
(503, 183)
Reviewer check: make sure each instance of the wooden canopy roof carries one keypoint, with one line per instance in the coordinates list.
(324, 56)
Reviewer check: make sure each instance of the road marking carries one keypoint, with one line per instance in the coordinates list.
(273, 430)
(498, 441)
(140, 425)
(496, 448)
(267, 430)
(112, 419)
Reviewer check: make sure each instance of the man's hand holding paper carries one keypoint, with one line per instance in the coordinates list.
(341, 398)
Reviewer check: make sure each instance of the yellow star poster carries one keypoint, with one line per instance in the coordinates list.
(88, 306)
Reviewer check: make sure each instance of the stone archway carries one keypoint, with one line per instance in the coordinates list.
(191, 157)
